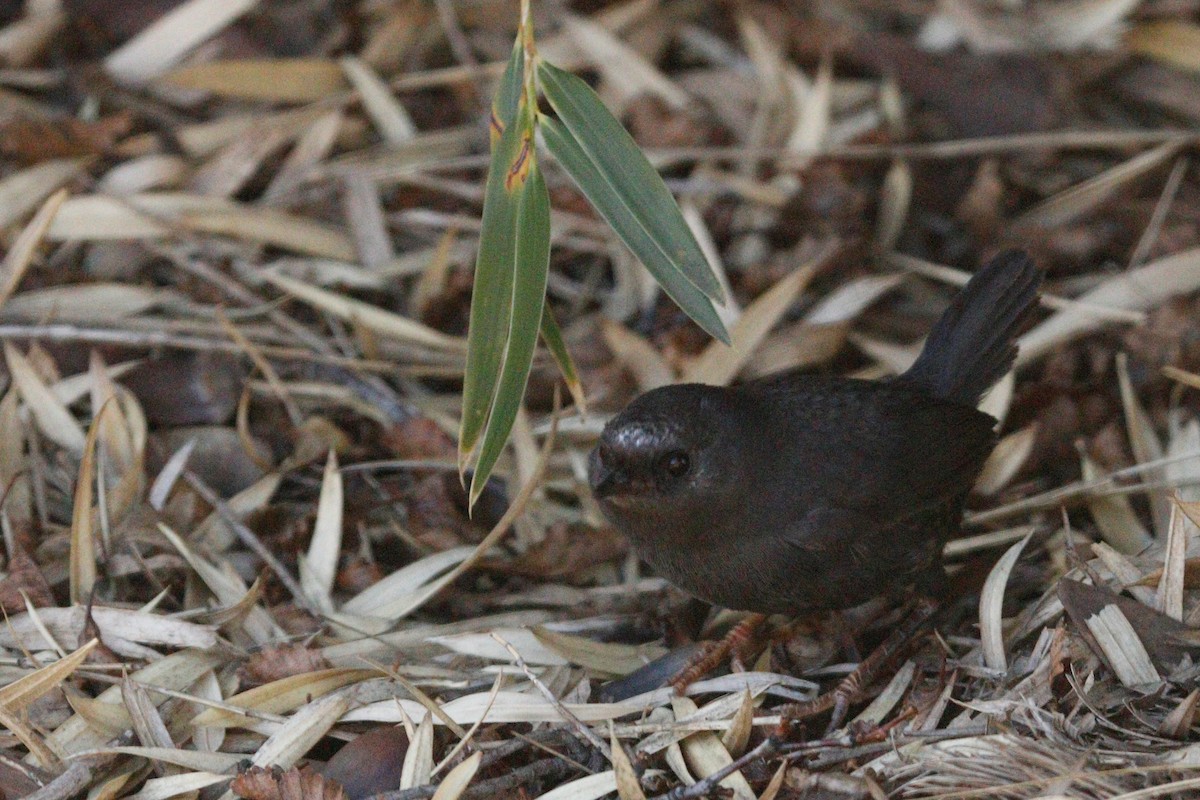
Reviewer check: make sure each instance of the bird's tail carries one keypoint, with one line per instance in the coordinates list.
(971, 346)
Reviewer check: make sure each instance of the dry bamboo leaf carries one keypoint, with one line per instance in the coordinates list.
(151, 215)
(319, 568)
(268, 226)
(209, 740)
(287, 80)
(892, 694)
(607, 658)
(169, 475)
(1172, 41)
(82, 558)
(165, 42)
(642, 359)
(16, 261)
(705, 754)
(95, 217)
(390, 119)
(625, 71)
(227, 172)
(1183, 442)
(118, 628)
(1122, 648)
(894, 202)
(148, 725)
(718, 364)
(282, 695)
(1006, 460)
(813, 109)
(205, 138)
(1145, 444)
(457, 780)
(188, 759)
(176, 785)
(1076, 202)
(418, 759)
(51, 416)
(730, 310)
(398, 587)
(590, 787)
(1078, 23)
(772, 790)
(18, 695)
(1170, 587)
(24, 190)
(214, 533)
(13, 466)
(143, 175)
(24, 39)
(1133, 290)
(484, 645)
(673, 755)
(229, 589)
(1178, 724)
(1114, 515)
(504, 707)
(628, 785)
(90, 302)
(110, 720)
(313, 147)
(302, 730)
(1124, 571)
(175, 672)
(991, 607)
(737, 736)
(370, 317)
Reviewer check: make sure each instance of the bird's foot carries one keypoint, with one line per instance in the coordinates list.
(852, 687)
(738, 645)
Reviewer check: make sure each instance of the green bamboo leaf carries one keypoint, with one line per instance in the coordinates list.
(531, 260)
(605, 197)
(633, 180)
(552, 336)
(491, 294)
(508, 91)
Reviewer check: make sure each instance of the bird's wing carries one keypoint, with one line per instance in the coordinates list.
(875, 448)
(847, 557)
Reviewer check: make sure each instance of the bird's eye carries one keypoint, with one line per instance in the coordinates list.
(676, 463)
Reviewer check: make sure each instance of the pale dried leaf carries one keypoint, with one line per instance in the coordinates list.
(1122, 648)
(457, 780)
(165, 42)
(52, 417)
(991, 607)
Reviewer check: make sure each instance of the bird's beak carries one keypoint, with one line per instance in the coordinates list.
(603, 479)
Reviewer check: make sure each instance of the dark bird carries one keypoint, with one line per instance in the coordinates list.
(797, 493)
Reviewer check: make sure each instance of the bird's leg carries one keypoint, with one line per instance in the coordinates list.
(735, 642)
(852, 686)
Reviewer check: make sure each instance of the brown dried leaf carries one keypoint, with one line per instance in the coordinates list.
(23, 579)
(1162, 636)
(33, 139)
(260, 783)
(282, 661)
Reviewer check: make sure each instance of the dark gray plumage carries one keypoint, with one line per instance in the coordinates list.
(798, 493)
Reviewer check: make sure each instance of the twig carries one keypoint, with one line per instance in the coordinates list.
(250, 539)
(547, 769)
(63, 332)
(767, 748)
(72, 781)
(576, 722)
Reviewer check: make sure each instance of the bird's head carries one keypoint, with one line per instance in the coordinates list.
(668, 448)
